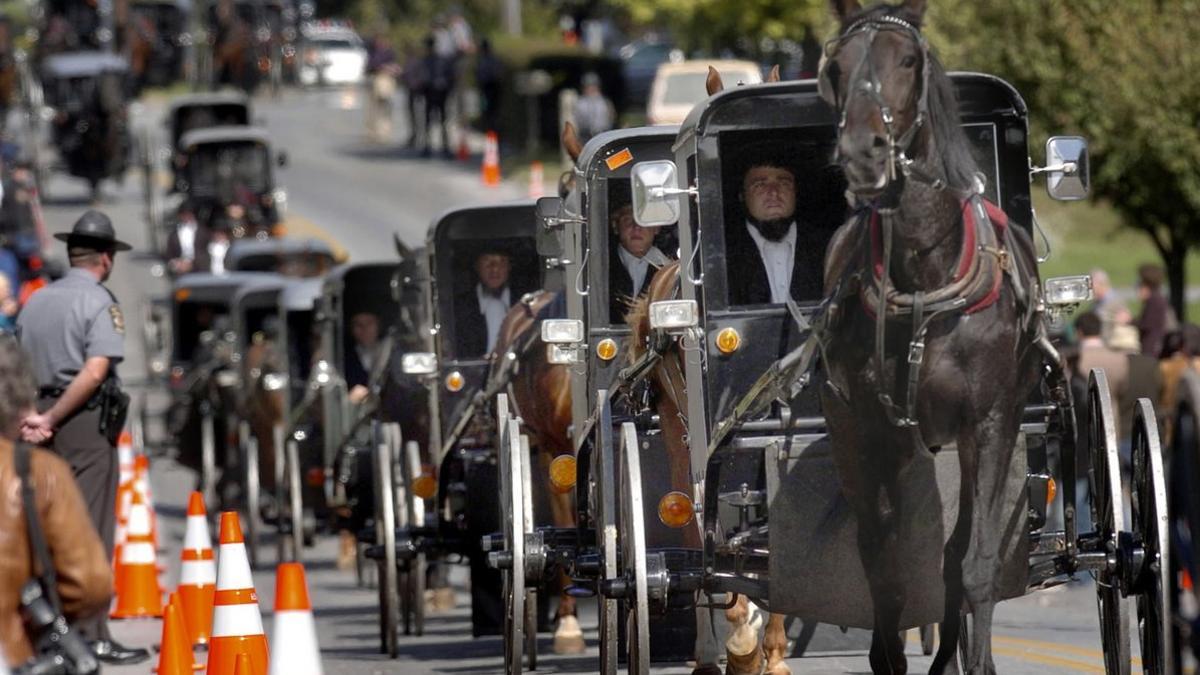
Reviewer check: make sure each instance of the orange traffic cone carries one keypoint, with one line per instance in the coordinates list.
(464, 153)
(125, 456)
(175, 656)
(491, 160)
(137, 574)
(243, 667)
(294, 634)
(141, 483)
(197, 573)
(537, 178)
(237, 626)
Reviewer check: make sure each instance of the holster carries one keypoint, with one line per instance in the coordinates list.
(114, 408)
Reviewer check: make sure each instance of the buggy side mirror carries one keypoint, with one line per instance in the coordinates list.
(549, 231)
(655, 193)
(281, 158)
(1068, 175)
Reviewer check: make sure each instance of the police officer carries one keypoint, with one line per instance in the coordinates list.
(74, 331)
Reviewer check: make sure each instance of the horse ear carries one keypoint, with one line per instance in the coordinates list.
(917, 7)
(845, 8)
(402, 249)
(773, 76)
(570, 141)
(713, 82)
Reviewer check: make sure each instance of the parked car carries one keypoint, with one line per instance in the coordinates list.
(333, 56)
(639, 63)
(679, 86)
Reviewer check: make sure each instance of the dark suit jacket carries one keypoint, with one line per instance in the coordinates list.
(356, 373)
(620, 287)
(747, 277)
(201, 263)
(470, 326)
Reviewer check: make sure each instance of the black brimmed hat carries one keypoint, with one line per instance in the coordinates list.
(93, 230)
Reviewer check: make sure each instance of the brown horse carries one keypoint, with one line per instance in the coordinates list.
(744, 657)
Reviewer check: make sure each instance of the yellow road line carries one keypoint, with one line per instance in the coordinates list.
(1070, 664)
(1054, 646)
(295, 225)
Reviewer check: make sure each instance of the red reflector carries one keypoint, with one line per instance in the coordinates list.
(316, 476)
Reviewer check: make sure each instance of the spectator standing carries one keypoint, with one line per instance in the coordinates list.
(1094, 353)
(440, 70)
(414, 78)
(593, 113)
(1107, 305)
(381, 82)
(8, 305)
(1157, 317)
(489, 74)
(187, 247)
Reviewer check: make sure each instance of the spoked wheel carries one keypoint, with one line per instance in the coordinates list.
(603, 486)
(531, 603)
(295, 498)
(512, 502)
(385, 537)
(1150, 527)
(249, 446)
(410, 467)
(633, 548)
(1184, 508)
(208, 457)
(1108, 518)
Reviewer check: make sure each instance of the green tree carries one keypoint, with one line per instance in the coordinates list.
(715, 25)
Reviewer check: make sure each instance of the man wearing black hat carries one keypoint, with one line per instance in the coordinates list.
(479, 311)
(187, 247)
(75, 333)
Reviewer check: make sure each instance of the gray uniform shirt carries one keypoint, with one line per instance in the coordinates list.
(68, 322)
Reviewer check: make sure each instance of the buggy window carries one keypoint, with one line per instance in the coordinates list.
(192, 319)
(468, 326)
(622, 233)
(224, 170)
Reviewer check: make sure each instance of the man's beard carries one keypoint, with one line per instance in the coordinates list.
(774, 229)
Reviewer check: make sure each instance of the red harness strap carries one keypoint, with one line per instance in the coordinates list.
(966, 256)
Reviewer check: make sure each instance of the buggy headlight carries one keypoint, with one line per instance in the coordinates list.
(674, 314)
(560, 355)
(274, 381)
(1068, 291)
(419, 363)
(562, 331)
(227, 379)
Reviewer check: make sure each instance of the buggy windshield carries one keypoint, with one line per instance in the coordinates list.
(224, 170)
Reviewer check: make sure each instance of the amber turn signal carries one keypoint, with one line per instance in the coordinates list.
(1051, 491)
(455, 382)
(675, 509)
(606, 349)
(728, 340)
(562, 473)
(424, 486)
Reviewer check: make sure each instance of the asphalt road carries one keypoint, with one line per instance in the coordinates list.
(342, 188)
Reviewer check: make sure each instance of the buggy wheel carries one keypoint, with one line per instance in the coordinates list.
(511, 521)
(633, 548)
(208, 457)
(928, 638)
(1108, 518)
(1150, 528)
(249, 445)
(385, 538)
(412, 515)
(295, 498)
(602, 482)
(531, 591)
(1184, 509)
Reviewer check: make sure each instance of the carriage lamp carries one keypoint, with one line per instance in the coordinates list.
(562, 331)
(562, 473)
(274, 381)
(674, 314)
(562, 355)
(1067, 292)
(606, 349)
(424, 486)
(419, 363)
(455, 382)
(182, 294)
(728, 340)
(675, 509)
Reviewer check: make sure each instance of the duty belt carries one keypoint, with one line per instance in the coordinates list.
(57, 392)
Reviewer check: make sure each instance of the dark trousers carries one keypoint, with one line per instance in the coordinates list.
(93, 461)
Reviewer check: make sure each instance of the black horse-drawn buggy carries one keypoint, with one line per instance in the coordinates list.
(889, 402)
(228, 174)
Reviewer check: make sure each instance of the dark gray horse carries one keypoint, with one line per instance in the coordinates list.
(930, 342)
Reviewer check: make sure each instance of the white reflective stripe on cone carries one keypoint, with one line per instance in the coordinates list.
(139, 520)
(137, 553)
(293, 636)
(196, 537)
(236, 621)
(234, 571)
(197, 573)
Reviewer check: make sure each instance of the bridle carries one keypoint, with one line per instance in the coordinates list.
(865, 80)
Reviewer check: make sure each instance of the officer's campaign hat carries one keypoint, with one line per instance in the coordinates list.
(93, 230)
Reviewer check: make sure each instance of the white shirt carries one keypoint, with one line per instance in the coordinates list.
(637, 267)
(778, 258)
(493, 308)
(216, 252)
(187, 240)
(366, 356)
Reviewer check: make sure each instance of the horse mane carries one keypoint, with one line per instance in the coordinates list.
(958, 165)
(662, 287)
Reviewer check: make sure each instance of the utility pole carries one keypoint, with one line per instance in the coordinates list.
(512, 16)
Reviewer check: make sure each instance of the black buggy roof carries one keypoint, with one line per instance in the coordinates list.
(594, 159)
(511, 219)
(300, 295)
(253, 255)
(210, 288)
(224, 134)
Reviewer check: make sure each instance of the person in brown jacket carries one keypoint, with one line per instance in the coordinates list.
(84, 576)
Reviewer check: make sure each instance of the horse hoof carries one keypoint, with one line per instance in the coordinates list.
(744, 664)
(568, 638)
(780, 668)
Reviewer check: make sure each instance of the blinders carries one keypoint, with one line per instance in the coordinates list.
(863, 79)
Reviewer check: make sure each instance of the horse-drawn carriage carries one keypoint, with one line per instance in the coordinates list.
(741, 376)
(248, 42)
(162, 35)
(290, 256)
(228, 174)
(86, 96)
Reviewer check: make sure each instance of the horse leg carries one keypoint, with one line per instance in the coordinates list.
(707, 651)
(878, 538)
(991, 445)
(952, 571)
(744, 657)
(775, 646)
